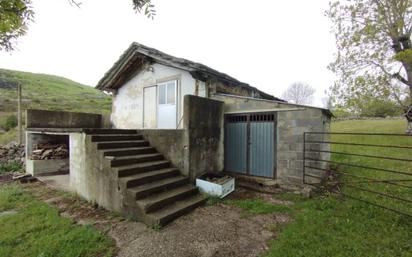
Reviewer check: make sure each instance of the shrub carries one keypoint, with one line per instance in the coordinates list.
(10, 167)
(10, 122)
(381, 108)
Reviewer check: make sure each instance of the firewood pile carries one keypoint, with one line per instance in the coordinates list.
(49, 151)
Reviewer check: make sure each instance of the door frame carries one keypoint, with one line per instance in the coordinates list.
(248, 142)
(143, 109)
(177, 80)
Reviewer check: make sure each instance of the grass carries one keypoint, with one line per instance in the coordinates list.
(38, 230)
(403, 166)
(47, 92)
(8, 136)
(331, 226)
(10, 167)
(41, 91)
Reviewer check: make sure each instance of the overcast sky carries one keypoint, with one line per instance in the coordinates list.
(268, 44)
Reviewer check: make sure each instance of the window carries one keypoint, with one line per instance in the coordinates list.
(171, 93)
(162, 94)
(167, 93)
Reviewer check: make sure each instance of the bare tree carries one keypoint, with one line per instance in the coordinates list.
(299, 93)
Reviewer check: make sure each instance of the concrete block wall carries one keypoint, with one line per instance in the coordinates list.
(292, 122)
(291, 127)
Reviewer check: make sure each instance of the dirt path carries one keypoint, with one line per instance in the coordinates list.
(211, 231)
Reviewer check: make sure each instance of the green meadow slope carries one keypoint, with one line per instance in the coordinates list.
(48, 92)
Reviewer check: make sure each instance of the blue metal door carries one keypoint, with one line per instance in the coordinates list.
(262, 145)
(236, 144)
(250, 145)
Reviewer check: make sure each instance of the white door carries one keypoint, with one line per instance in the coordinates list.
(166, 105)
(149, 107)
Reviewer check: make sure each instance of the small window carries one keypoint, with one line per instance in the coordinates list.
(171, 93)
(162, 94)
(167, 93)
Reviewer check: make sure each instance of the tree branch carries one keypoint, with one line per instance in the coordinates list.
(399, 77)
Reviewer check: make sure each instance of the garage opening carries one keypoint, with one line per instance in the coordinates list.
(250, 144)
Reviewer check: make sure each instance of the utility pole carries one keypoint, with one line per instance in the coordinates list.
(19, 125)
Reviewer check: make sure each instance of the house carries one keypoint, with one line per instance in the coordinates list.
(173, 120)
(149, 87)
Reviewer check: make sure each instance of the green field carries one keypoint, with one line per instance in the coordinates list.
(33, 228)
(41, 91)
(328, 225)
(47, 92)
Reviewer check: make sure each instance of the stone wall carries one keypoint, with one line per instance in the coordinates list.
(291, 126)
(12, 152)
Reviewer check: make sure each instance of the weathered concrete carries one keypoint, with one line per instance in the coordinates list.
(58, 119)
(198, 148)
(172, 143)
(91, 174)
(60, 182)
(39, 167)
(203, 122)
(127, 110)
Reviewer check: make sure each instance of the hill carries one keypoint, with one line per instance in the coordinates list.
(48, 92)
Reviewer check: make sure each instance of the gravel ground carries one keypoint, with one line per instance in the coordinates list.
(210, 231)
(219, 230)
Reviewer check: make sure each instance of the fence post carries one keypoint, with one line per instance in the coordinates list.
(304, 157)
(19, 118)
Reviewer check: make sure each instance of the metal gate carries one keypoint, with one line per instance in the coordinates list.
(250, 144)
(374, 168)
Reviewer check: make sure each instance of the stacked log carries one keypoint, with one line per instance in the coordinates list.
(49, 151)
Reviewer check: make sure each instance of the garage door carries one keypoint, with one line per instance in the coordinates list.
(250, 141)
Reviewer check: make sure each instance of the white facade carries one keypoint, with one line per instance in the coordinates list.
(146, 101)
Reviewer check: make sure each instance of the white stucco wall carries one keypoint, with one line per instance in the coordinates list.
(127, 110)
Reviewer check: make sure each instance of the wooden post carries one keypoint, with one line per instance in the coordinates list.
(19, 125)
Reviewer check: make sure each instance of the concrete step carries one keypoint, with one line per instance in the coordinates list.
(148, 177)
(134, 159)
(121, 144)
(109, 131)
(158, 186)
(159, 200)
(174, 210)
(133, 169)
(115, 137)
(129, 151)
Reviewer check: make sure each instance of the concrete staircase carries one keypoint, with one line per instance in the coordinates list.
(153, 190)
